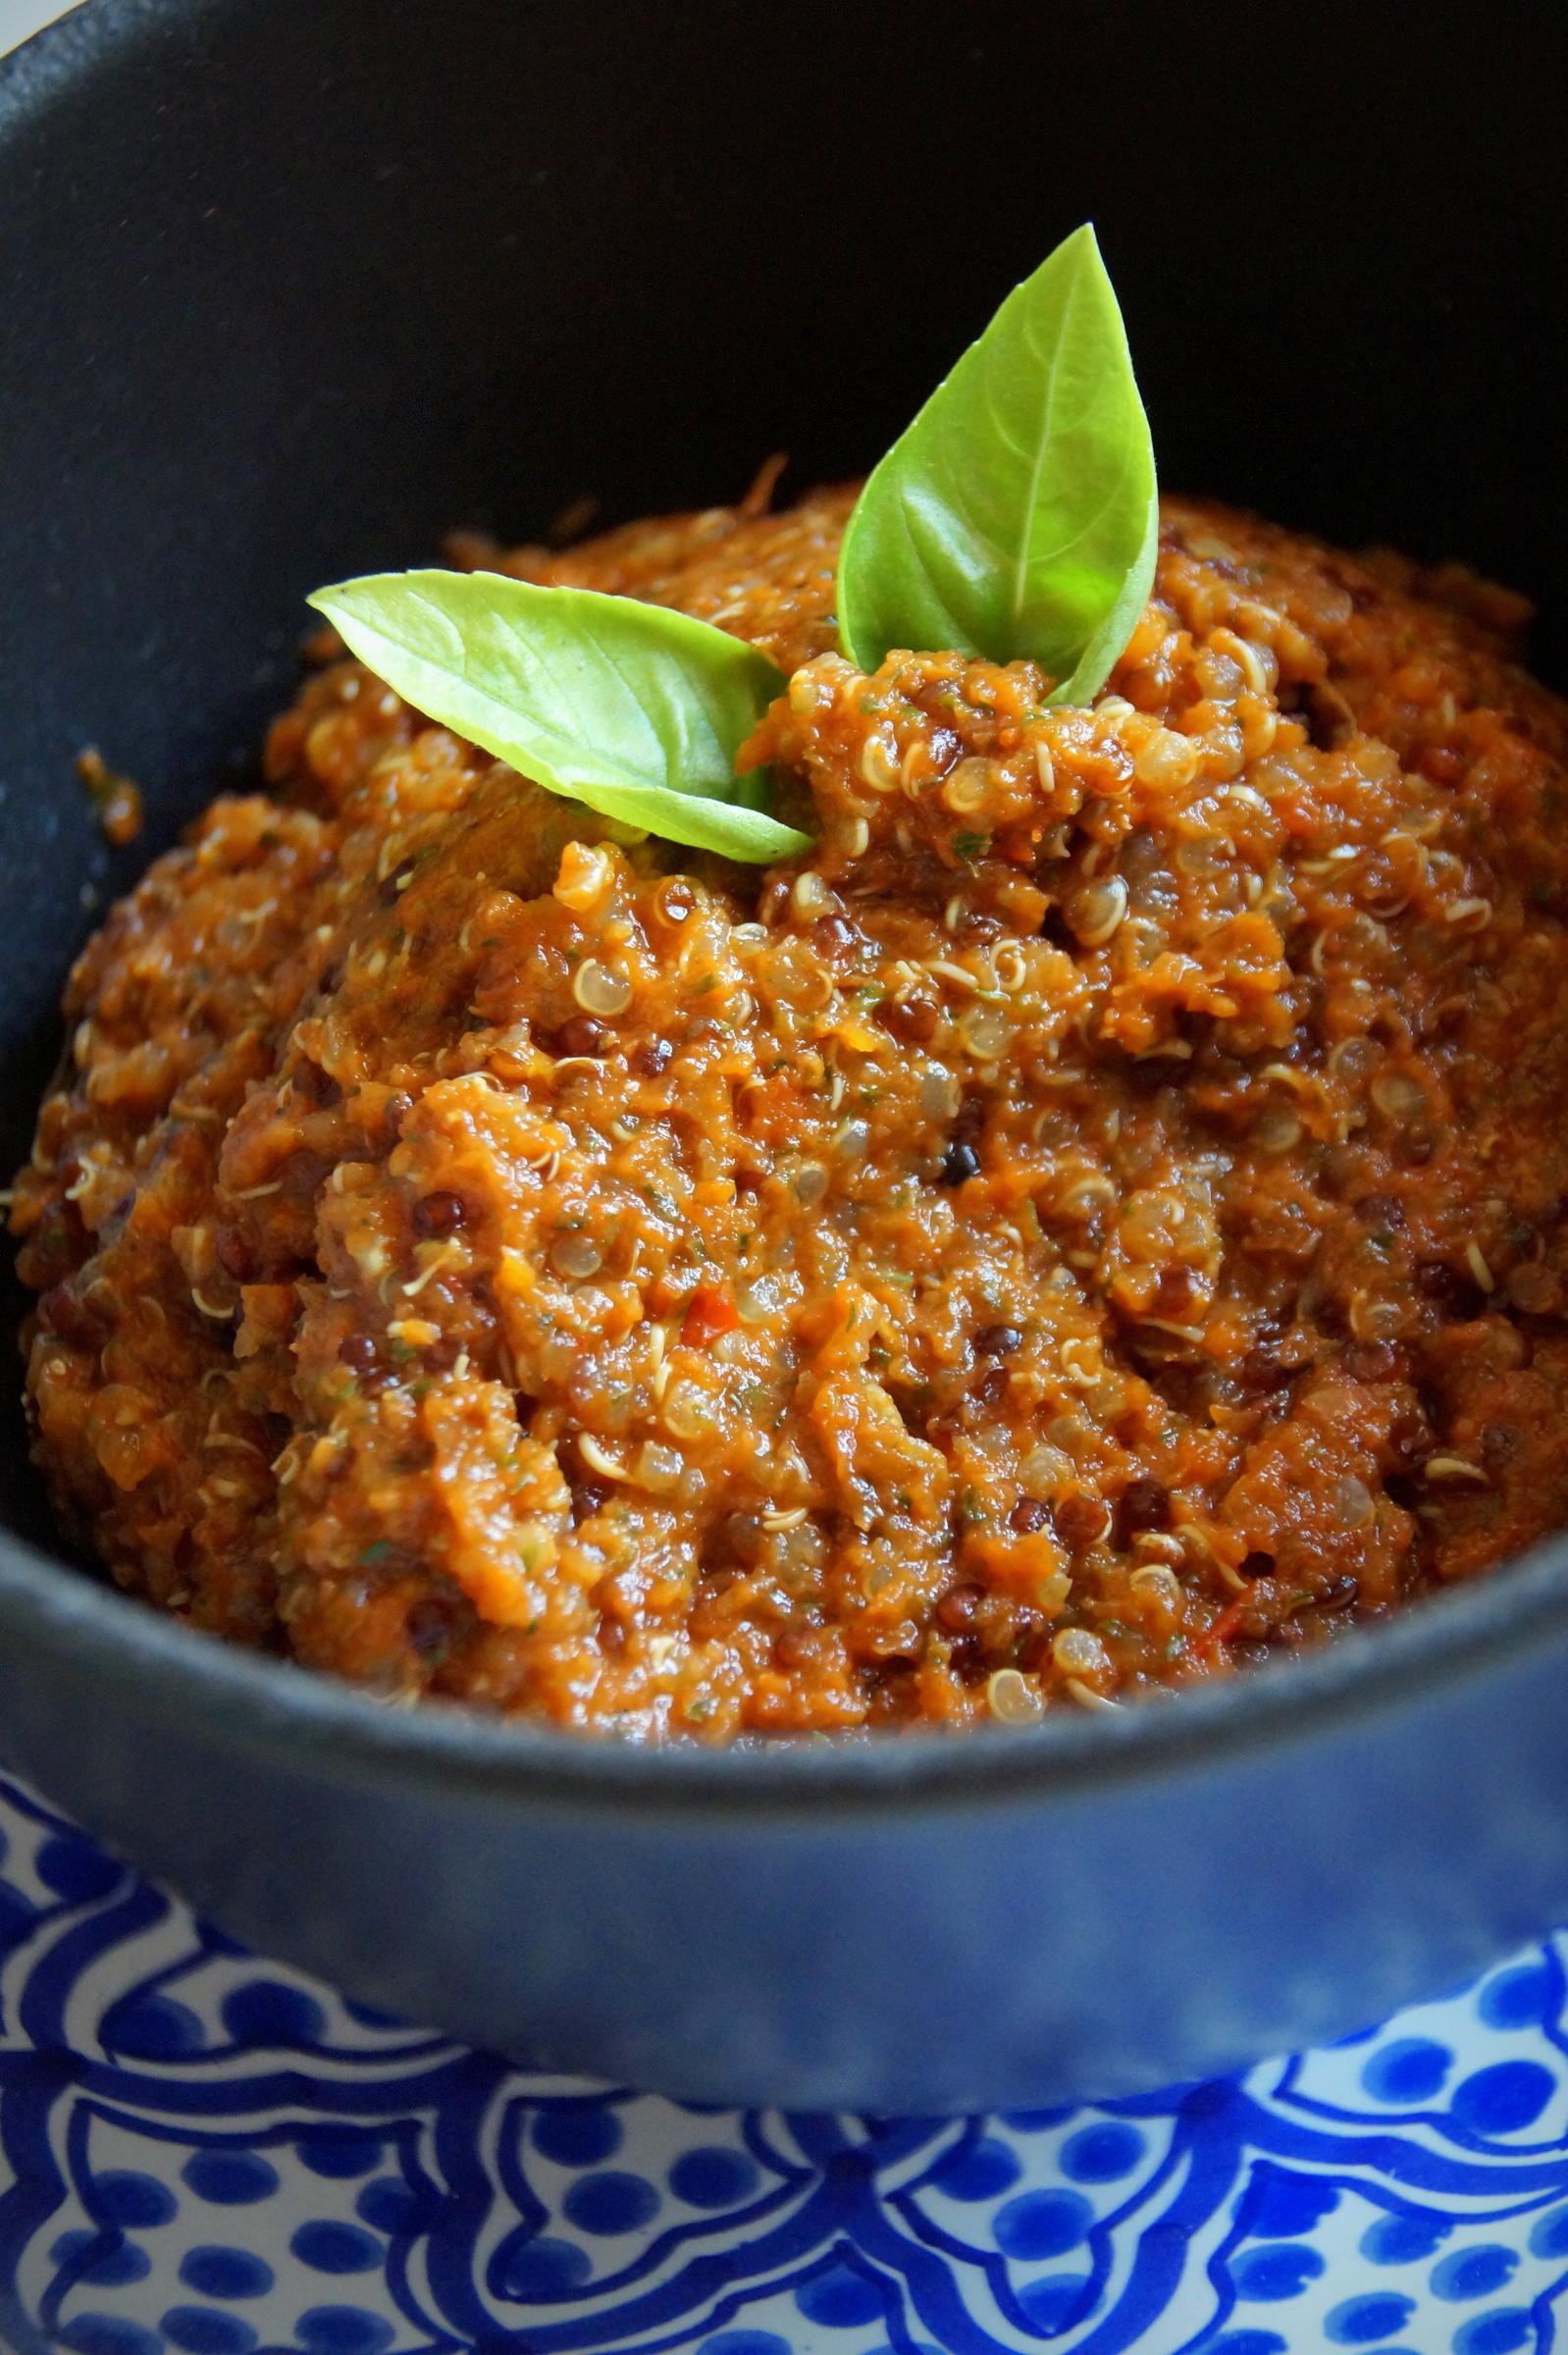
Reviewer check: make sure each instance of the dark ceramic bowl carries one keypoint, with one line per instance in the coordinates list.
(289, 287)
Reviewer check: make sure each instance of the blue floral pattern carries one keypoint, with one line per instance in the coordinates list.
(209, 2154)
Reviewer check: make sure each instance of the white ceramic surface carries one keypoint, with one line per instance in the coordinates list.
(20, 18)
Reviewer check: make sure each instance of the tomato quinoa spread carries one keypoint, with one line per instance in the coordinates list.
(1100, 1219)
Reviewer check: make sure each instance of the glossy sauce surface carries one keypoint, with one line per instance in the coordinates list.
(1097, 1222)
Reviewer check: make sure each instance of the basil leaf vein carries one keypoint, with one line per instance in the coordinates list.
(1017, 516)
(633, 710)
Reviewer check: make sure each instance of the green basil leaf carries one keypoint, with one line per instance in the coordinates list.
(1018, 515)
(631, 708)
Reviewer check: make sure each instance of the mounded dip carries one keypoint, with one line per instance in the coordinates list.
(1098, 1222)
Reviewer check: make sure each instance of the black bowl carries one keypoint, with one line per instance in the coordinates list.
(288, 288)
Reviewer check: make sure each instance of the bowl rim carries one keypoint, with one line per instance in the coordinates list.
(53, 1615)
(33, 66)
(57, 1617)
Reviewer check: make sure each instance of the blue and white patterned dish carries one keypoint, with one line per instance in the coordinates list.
(206, 2153)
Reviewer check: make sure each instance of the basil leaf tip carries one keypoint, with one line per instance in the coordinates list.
(633, 710)
(1017, 516)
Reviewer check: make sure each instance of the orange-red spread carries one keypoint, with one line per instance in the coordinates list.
(1098, 1221)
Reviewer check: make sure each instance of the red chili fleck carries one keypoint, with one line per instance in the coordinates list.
(709, 1313)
